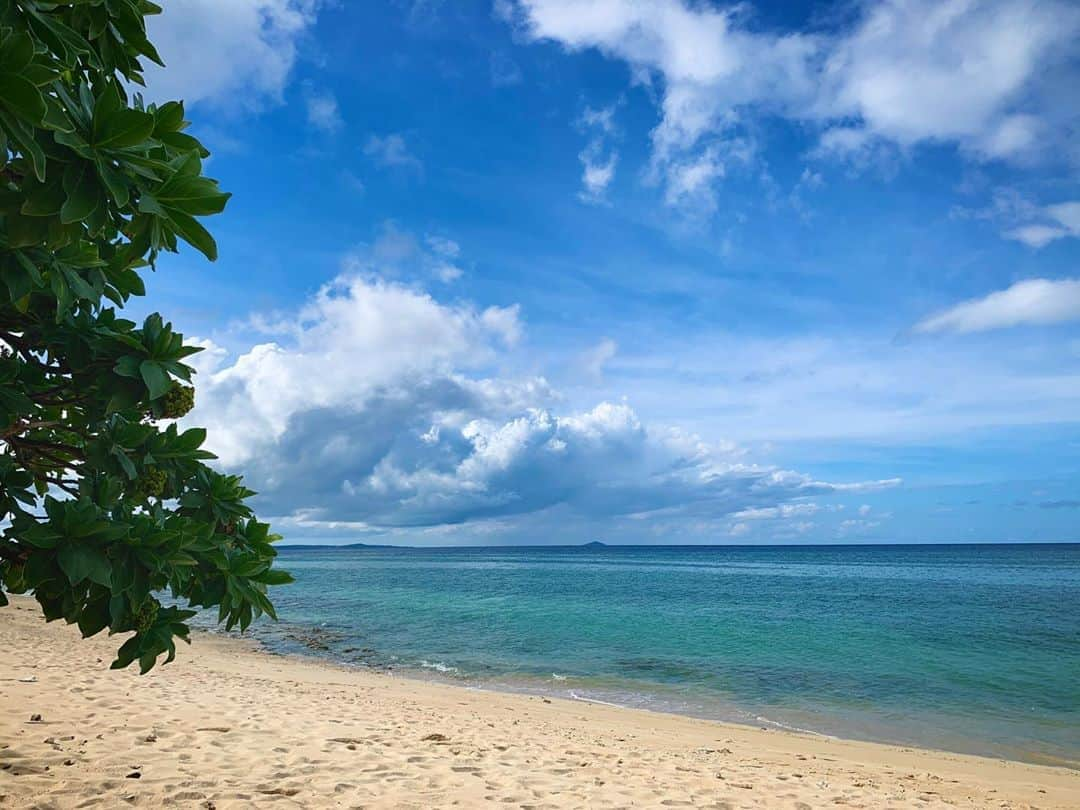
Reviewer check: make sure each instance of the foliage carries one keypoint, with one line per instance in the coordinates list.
(105, 506)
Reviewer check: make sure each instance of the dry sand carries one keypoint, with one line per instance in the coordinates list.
(227, 725)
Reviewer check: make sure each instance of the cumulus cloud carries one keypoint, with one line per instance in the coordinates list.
(985, 75)
(1026, 303)
(239, 53)
(374, 407)
(357, 340)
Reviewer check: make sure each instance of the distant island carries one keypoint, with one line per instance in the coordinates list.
(594, 544)
(308, 546)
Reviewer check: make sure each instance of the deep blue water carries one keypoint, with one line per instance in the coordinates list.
(972, 648)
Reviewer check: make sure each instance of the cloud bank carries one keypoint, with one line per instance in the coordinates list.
(374, 407)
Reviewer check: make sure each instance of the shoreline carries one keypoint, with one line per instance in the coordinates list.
(705, 708)
(232, 724)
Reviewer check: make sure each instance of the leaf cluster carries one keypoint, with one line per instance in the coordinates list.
(106, 505)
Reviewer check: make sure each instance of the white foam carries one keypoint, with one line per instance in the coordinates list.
(438, 666)
(576, 696)
(787, 727)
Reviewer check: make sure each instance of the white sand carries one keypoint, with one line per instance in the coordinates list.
(227, 725)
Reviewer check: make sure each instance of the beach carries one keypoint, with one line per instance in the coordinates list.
(231, 725)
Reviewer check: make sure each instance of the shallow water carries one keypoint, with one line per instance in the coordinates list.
(972, 648)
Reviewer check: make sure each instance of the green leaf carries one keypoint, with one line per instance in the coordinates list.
(83, 192)
(123, 129)
(192, 194)
(274, 576)
(127, 652)
(19, 132)
(115, 182)
(182, 142)
(16, 51)
(169, 117)
(128, 366)
(188, 229)
(21, 97)
(45, 200)
(94, 617)
(96, 184)
(81, 561)
(156, 379)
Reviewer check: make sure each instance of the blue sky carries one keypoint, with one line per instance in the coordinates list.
(551, 271)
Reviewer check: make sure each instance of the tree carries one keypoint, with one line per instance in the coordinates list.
(105, 504)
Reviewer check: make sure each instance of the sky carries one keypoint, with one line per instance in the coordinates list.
(555, 271)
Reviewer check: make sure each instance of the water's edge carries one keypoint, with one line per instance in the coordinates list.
(970, 649)
(723, 714)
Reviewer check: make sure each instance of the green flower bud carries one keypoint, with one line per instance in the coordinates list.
(146, 615)
(151, 484)
(178, 401)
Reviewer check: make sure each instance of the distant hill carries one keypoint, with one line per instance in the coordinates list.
(594, 544)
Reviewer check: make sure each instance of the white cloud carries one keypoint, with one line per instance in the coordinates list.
(785, 511)
(1022, 220)
(374, 407)
(692, 179)
(1032, 302)
(1067, 214)
(594, 359)
(448, 273)
(1058, 221)
(322, 111)
(445, 252)
(1036, 236)
(598, 158)
(391, 151)
(978, 74)
(846, 386)
(596, 175)
(358, 337)
(953, 71)
(443, 246)
(240, 53)
(398, 253)
(809, 181)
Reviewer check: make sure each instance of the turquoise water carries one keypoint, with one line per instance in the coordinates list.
(968, 648)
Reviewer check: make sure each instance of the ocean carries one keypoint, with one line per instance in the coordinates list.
(971, 648)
